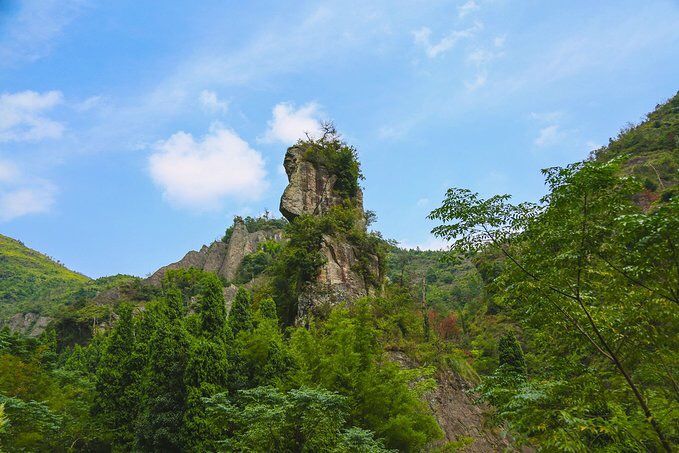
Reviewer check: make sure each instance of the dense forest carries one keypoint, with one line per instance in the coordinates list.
(561, 314)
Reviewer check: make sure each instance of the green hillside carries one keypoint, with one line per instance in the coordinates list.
(31, 281)
(650, 151)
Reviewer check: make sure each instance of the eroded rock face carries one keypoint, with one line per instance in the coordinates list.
(455, 411)
(310, 188)
(222, 258)
(30, 324)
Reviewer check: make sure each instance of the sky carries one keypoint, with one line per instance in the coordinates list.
(132, 132)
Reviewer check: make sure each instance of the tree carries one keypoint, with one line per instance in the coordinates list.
(343, 355)
(211, 306)
(511, 355)
(206, 374)
(267, 310)
(118, 378)
(303, 419)
(240, 316)
(561, 278)
(159, 426)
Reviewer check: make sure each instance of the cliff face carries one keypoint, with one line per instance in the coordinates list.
(460, 418)
(311, 187)
(222, 258)
(311, 190)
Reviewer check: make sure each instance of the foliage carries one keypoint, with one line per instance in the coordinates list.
(343, 355)
(651, 152)
(118, 378)
(303, 419)
(255, 264)
(31, 281)
(566, 277)
(337, 157)
(511, 355)
(253, 224)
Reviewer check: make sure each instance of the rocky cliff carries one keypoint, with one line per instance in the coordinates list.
(311, 187)
(222, 258)
(312, 190)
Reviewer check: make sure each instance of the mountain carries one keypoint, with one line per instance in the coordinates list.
(33, 282)
(36, 290)
(319, 309)
(650, 152)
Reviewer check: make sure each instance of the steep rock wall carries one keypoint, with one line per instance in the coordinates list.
(310, 191)
(222, 258)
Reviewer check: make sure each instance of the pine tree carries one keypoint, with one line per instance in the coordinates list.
(211, 306)
(160, 425)
(267, 309)
(118, 378)
(511, 354)
(206, 374)
(240, 316)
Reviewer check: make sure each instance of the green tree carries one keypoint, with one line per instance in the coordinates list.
(303, 419)
(240, 315)
(343, 355)
(118, 378)
(211, 306)
(206, 374)
(561, 279)
(511, 354)
(159, 426)
(267, 310)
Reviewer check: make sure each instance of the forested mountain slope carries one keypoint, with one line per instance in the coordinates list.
(31, 281)
(563, 314)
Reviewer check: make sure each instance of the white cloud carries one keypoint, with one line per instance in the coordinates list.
(22, 116)
(423, 35)
(422, 202)
(469, 7)
(548, 136)
(33, 31)
(480, 57)
(20, 195)
(8, 172)
(210, 100)
(88, 104)
(499, 41)
(477, 83)
(288, 125)
(26, 200)
(201, 174)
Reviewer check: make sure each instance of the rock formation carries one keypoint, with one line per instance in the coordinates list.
(222, 258)
(310, 186)
(30, 324)
(311, 190)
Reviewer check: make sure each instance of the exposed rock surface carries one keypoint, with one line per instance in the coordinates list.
(456, 413)
(222, 258)
(30, 324)
(310, 188)
(311, 191)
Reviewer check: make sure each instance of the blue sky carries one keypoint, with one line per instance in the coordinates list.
(132, 132)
